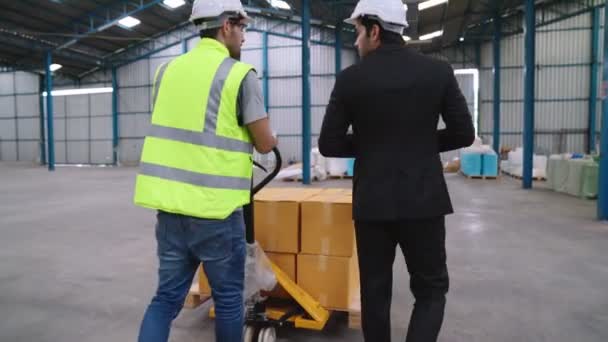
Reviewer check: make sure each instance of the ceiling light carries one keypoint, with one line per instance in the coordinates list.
(128, 22)
(406, 38)
(81, 91)
(55, 67)
(461, 39)
(430, 3)
(280, 4)
(431, 35)
(172, 4)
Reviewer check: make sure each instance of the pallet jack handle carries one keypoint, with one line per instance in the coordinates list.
(248, 209)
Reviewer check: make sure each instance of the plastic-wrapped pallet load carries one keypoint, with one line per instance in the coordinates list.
(590, 180)
(337, 166)
(574, 184)
(539, 166)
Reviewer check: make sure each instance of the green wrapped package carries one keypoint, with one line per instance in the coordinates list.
(557, 174)
(590, 180)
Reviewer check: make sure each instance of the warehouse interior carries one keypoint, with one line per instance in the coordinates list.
(78, 259)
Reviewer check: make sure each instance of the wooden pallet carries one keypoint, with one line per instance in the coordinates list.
(339, 177)
(479, 176)
(297, 179)
(194, 299)
(540, 179)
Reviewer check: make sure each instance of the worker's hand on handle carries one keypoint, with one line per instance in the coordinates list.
(263, 138)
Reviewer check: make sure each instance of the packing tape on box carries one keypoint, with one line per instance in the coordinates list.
(325, 245)
(322, 263)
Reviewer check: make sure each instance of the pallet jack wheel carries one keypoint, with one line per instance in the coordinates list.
(249, 333)
(268, 334)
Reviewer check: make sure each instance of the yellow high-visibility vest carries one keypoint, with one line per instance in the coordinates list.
(196, 159)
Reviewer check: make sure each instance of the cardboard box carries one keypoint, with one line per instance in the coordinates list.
(277, 218)
(327, 224)
(332, 281)
(287, 263)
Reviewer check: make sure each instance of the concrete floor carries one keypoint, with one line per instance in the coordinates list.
(77, 263)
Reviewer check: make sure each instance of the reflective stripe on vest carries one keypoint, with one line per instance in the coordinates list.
(195, 178)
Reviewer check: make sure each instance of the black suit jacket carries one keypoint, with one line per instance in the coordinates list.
(393, 99)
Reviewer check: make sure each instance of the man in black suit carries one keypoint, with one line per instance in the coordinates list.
(393, 99)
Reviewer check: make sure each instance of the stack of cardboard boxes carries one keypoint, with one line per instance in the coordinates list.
(309, 234)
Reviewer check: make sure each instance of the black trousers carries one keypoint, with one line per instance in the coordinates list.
(423, 245)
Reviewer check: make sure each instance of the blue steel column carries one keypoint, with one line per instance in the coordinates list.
(306, 135)
(114, 117)
(602, 203)
(529, 56)
(49, 113)
(595, 43)
(42, 135)
(338, 48)
(265, 81)
(496, 51)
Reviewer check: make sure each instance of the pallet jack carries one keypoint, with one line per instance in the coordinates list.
(263, 317)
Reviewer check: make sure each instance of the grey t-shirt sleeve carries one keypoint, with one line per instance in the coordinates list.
(250, 102)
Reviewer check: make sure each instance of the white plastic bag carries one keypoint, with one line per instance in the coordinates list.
(258, 272)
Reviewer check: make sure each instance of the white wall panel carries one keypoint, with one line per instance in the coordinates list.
(29, 151)
(26, 82)
(134, 74)
(8, 130)
(285, 61)
(349, 57)
(101, 152)
(101, 104)
(60, 152)
(78, 152)
(77, 129)
(172, 51)
(8, 150)
(77, 105)
(134, 125)
(59, 128)
(6, 83)
(28, 128)
(320, 89)
(7, 106)
(253, 57)
(286, 120)
(59, 106)
(285, 92)
(322, 59)
(130, 151)
(101, 127)
(28, 105)
(134, 100)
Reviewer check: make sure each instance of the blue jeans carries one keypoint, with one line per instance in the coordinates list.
(184, 242)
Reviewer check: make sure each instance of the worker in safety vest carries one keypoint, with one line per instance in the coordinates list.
(196, 169)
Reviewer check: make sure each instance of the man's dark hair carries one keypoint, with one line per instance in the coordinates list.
(213, 32)
(386, 37)
(207, 33)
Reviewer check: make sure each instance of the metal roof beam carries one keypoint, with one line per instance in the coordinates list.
(31, 43)
(108, 16)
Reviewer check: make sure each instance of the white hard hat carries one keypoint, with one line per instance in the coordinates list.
(390, 13)
(211, 11)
